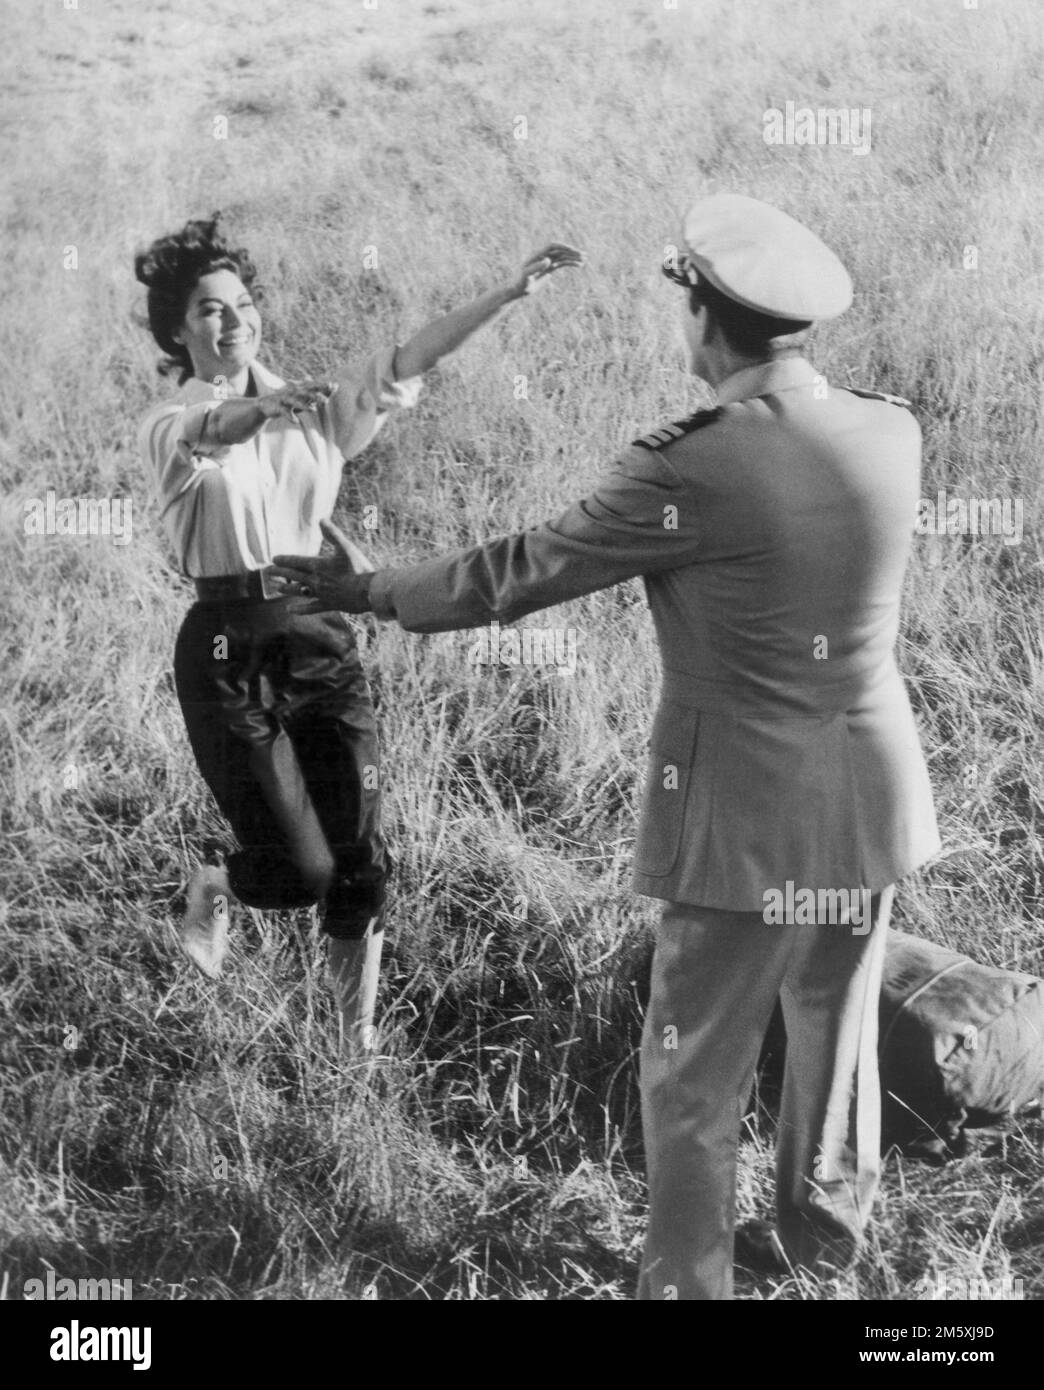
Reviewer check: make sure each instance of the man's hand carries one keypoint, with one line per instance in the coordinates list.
(543, 263)
(339, 581)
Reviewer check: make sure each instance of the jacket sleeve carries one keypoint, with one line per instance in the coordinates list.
(640, 519)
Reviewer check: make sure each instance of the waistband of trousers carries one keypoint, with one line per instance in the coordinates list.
(252, 586)
(782, 700)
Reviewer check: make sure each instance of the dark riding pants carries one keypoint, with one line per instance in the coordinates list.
(279, 716)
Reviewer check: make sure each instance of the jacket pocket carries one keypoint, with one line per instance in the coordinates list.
(672, 752)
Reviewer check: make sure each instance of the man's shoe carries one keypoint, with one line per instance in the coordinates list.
(203, 935)
(759, 1249)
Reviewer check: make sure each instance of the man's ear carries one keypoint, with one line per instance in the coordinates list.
(695, 308)
(709, 329)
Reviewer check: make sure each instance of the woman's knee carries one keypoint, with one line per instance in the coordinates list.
(317, 869)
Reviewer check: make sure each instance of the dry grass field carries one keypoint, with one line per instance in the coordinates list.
(203, 1139)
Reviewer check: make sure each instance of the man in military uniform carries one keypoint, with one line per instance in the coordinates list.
(772, 534)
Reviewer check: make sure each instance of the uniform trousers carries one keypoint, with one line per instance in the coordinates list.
(716, 976)
(280, 720)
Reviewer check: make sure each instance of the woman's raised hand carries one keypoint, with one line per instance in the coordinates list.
(296, 395)
(446, 334)
(545, 262)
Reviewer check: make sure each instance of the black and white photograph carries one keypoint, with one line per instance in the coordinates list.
(523, 650)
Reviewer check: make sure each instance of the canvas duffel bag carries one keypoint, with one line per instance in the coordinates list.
(961, 1045)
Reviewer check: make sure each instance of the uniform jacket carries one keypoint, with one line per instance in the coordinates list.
(772, 534)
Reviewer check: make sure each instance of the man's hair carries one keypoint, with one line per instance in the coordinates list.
(748, 332)
(171, 269)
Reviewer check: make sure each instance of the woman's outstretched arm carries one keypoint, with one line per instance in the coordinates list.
(446, 334)
(239, 418)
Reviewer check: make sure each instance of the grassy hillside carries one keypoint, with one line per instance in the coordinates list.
(204, 1140)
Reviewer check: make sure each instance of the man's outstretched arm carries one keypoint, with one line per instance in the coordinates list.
(641, 519)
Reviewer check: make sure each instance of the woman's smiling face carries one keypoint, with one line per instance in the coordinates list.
(222, 327)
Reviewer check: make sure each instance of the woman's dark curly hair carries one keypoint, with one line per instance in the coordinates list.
(171, 269)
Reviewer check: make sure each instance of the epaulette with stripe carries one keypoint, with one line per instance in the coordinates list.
(667, 434)
(881, 396)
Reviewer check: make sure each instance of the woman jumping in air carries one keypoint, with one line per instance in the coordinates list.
(245, 466)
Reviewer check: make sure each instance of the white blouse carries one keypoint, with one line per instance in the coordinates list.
(228, 509)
